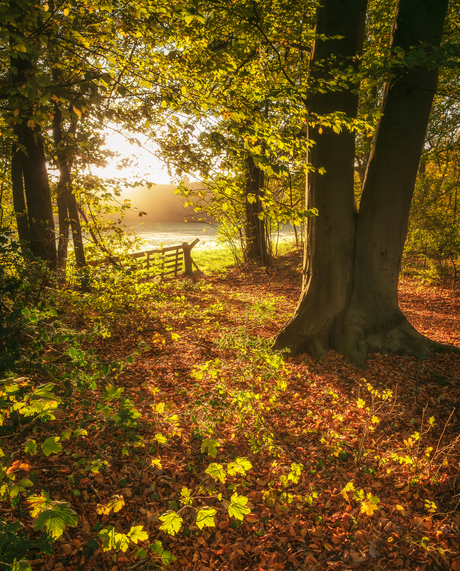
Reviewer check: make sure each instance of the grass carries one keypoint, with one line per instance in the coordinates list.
(221, 257)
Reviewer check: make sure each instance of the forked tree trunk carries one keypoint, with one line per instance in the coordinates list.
(357, 311)
(256, 244)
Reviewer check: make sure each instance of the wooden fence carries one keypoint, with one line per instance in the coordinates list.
(167, 261)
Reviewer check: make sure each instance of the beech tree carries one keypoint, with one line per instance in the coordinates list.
(349, 300)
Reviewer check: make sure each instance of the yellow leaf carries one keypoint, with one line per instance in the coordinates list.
(160, 408)
(66, 13)
(360, 403)
(46, 7)
(156, 462)
(399, 508)
(157, 338)
(76, 111)
(175, 336)
(368, 508)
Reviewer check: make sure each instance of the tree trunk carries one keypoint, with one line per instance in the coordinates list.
(67, 205)
(356, 309)
(329, 240)
(19, 202)
(374, 321)
(256, 244)
(31, 155)
(38, 195)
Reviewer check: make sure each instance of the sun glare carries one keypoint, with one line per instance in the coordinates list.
(132, 162)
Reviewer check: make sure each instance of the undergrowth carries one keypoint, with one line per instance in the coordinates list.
(147, 424)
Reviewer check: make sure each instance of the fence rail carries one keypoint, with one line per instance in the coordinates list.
(169, 260)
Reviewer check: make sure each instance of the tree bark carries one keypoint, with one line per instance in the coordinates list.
(256, 244)
(31, 155)
(374, 321)
(329, 241)
(19, 202)
(67, 205)
(355, 310)
(38, 195)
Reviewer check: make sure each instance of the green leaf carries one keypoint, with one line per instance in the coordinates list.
(111, 539)
(73, 352)
(25, 483)
(45, 392)
(239, 466)
(211, 444)
(137, 533)
(237, 506)
(51, 446)
(21, 566)
(217, 472)
(130, 359)
(30, 447)
(171, 522)
(55, 519)
(205, 517)
(105, 369)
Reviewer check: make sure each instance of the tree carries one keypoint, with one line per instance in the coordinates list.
(349, 300)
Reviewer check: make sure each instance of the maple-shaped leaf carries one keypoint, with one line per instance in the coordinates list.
(370, 505)
(171, 522)
(239, 466)
(137, 533)
(186, 496)
(211, 444)
(56, 518)
(30, 447)
(51, 446)
(217, 472)
(111, 539)
(237, 507)
(205, 517)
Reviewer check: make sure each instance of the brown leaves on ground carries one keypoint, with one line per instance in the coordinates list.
(345, 474)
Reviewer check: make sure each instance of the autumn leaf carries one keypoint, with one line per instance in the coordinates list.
(217, 472)
(237, 507)
(171, 522)
(205, 517)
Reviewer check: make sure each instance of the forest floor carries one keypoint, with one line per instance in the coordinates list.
(350, 469)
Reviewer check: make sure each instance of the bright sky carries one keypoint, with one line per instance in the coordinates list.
(143, 165)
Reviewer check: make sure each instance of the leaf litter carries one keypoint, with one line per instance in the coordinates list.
(276, 462)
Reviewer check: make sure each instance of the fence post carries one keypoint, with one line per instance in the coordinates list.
(187, 259)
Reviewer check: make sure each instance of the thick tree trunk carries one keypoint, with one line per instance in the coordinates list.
(356, 310)
(31, 155)
(256, 244)
(38, 195)
(329, 242)
(374, 322)
(19, 202)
